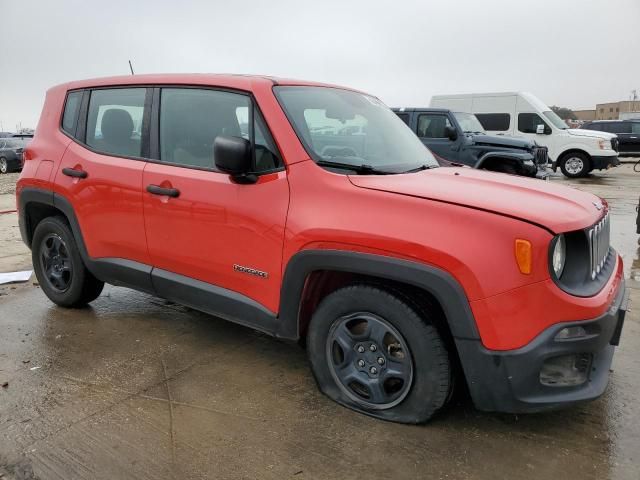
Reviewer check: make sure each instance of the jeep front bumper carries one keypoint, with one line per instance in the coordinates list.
(553, 370)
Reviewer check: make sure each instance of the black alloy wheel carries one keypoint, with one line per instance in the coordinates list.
(370, 360)
(56, 262)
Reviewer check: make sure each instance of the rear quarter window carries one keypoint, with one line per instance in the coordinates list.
(497, 122)
(70, 114)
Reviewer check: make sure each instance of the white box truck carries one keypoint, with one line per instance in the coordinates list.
(521, 114)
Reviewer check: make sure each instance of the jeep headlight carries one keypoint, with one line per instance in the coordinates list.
(604, 144)
(559, 255)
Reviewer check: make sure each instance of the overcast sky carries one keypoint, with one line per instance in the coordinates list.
(568, 52)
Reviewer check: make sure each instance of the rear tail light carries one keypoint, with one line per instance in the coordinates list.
(27, 154)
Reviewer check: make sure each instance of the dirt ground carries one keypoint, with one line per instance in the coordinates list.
(134, 387)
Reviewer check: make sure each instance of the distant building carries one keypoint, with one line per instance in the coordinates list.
(611, 111)
(585, 115)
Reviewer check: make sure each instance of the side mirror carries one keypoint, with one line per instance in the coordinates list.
(233, 156)
(451, 133)
(540, 130)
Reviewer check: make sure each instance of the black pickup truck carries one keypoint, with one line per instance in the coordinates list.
(460, 139)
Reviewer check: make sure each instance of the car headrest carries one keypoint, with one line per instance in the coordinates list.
(116, 126)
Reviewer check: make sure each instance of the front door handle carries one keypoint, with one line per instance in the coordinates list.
(157, 190)
(72, 172)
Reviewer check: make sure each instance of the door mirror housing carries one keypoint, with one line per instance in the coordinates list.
(541, 130)
(451, 133)
(233, 156)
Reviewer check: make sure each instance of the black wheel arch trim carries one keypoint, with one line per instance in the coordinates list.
(518, 157)
(26, 196)
(447, 291)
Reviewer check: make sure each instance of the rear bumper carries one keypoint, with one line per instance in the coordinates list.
(509, 381)
(604, 162)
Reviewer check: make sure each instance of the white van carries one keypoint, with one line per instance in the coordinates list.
(521, 114)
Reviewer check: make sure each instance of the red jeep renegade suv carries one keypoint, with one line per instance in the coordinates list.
(311, 211)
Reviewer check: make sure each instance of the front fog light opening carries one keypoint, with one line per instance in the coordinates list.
(566, 370)
(571, 333)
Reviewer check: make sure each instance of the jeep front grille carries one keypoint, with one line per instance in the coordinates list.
(599, 236)
(541, 155)
(614, 143)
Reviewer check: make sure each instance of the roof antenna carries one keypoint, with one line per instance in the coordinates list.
(131, 68)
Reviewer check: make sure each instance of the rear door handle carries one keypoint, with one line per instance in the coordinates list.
(72, 172)
(157, 190)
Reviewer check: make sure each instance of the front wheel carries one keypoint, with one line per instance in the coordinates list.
(370, 351)
(574, 165)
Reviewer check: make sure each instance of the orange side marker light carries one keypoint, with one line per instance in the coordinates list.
(524, 255)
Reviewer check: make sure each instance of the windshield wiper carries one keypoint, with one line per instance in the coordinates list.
(420, 168)
(362, 169)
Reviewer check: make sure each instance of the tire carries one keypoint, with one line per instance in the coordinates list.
(4, 165)
(59, 268)
(575, 165)
(411, 382)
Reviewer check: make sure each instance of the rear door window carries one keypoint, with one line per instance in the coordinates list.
(621, 127)
(114, 121)
(496, 122)
(605, 127)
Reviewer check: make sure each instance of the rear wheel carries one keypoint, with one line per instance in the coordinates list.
(574, 165)
(370, 351)
(4, 166)
(58, 266)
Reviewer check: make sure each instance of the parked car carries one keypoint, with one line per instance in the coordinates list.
(628, 132)
(5, 134)
(394, 271)
(11, 159)
(520, 114)
(459, 138)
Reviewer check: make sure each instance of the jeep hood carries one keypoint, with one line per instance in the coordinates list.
(520, 143)
(554, 207)
(579, 132)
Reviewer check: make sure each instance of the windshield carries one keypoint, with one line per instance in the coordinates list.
(350, 128)
(469, 122)
(555, 119)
